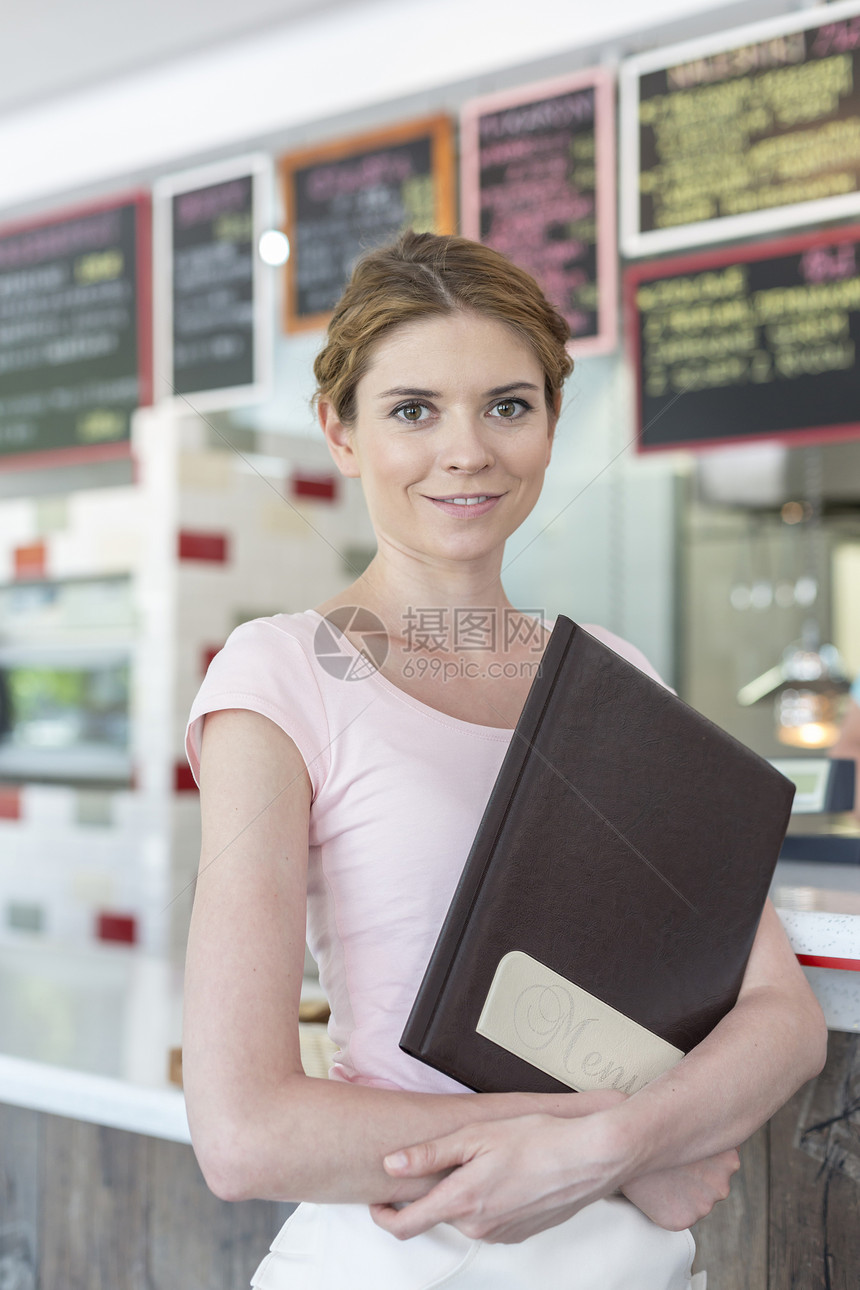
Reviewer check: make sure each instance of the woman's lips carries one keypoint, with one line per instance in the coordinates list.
(469, 510)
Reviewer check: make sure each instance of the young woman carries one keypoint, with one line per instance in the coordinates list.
(342, 779)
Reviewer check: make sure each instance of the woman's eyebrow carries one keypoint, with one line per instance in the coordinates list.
(404, 392)
(509, 389)
(410, 392)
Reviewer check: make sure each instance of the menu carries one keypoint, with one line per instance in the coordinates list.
(746, 132)
(345, 197)
(74, 332)
(538, 176)
(212, 323)
(760, 342)
(213, 276)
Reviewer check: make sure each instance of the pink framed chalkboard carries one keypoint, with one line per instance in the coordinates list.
(538, 184)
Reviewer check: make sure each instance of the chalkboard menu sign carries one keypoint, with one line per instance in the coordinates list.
(213, 300)
(75, 326)
(746, 132)
(345, 197)
(760, 342)
(538, 184)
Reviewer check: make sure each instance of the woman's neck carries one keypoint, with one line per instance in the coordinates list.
(392, 590)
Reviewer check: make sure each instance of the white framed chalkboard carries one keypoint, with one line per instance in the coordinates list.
(214, 323)
(538, 184)
(743, 133)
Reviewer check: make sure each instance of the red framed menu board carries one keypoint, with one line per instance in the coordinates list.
(347, 196)
(75, 332)
(742, 133)
(538, 184)
(756, 342)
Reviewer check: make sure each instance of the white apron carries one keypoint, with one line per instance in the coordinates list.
(610, 1245)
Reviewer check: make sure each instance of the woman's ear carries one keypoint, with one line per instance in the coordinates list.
(339, 438)
(554, 414)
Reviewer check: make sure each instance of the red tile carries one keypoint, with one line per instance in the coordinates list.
(30, 561)
(117, 927)
(322, 487)
(183, 780)
(209, 652)
(213, 547)
(10, 802)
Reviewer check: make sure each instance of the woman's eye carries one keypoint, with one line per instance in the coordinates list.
(507, 409)
(411, 411)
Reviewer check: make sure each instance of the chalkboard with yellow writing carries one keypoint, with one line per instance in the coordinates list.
(213, 298)
(347, 196)
(213, 280)
(750, 131)
(760, 342)
(75, 333)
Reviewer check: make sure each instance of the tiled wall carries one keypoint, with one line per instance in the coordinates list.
(209, 538)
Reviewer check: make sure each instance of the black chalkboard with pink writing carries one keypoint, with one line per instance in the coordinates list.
(538, 185)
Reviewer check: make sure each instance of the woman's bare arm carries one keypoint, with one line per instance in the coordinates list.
(518, 1177)
(260, 1127)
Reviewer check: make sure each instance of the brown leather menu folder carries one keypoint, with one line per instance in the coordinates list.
(606, 911)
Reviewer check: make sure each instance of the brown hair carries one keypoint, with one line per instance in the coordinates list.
(422, 275)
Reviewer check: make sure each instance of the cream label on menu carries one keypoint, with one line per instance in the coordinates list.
(566, 1032)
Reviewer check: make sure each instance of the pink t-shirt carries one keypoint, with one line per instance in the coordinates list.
(398, 792)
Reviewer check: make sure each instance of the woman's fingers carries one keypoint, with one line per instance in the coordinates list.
(455, 1149)
(419, 1216)
(440, 1156)
(505, 1179)
(676, 1198)
(429, 1157)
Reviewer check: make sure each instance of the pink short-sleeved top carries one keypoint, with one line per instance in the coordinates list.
(398, 792)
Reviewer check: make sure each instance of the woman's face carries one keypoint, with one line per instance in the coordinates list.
(450, 408)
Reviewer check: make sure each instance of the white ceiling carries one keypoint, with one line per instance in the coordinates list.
(51, 47)
(98, 92)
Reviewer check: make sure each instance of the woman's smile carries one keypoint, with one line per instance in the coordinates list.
(466, 506)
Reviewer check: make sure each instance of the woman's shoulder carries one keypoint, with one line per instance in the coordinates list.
(269, 632)
(626, 649)
(267, 656)
(266, 665)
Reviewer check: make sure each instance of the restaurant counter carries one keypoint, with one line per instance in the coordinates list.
(99, 1180)
(87, 1032)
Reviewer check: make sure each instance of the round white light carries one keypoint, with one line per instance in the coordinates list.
(274, 247)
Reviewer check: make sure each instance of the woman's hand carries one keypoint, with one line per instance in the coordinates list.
(505, 1180)
(677, 1198)
(509, 1179)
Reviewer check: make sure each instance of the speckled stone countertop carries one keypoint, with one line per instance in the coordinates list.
(819, 905)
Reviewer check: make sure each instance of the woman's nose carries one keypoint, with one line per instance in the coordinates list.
(467, 446)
